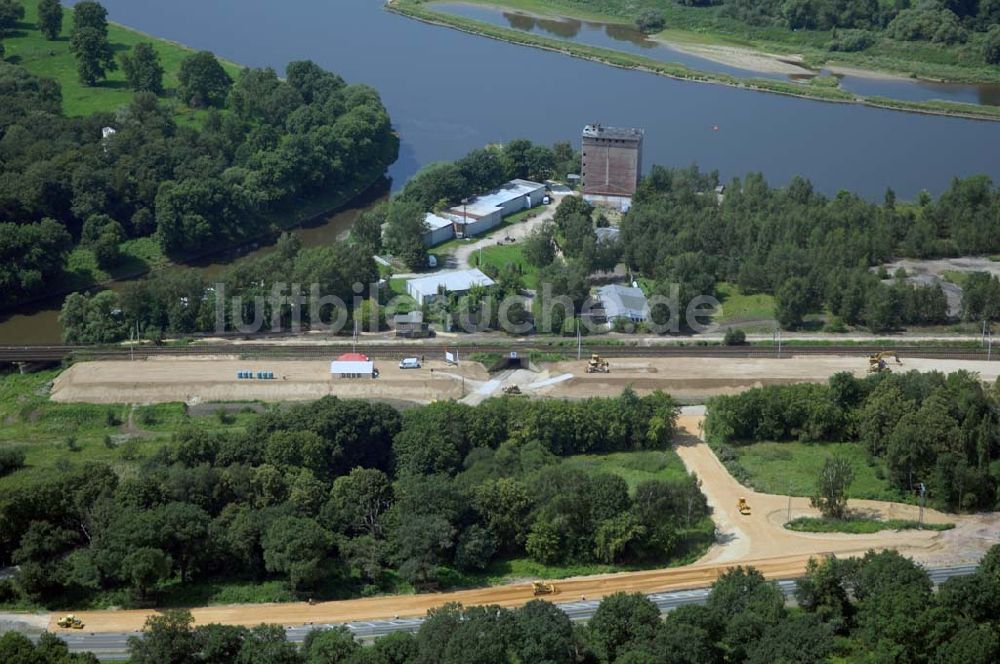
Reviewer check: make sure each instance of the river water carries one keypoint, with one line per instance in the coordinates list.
(449, 92)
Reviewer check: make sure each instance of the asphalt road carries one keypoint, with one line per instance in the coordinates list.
(111, 646)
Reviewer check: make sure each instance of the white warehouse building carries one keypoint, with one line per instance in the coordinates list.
(439, 229)
(484, 212)
(425, 289)
(623, 302)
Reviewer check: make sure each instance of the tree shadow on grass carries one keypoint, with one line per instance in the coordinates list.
(112, 85)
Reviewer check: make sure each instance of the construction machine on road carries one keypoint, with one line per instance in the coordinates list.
(70, 621)
(598, 364)
(542, 587)
(743, 507)
(878, 363)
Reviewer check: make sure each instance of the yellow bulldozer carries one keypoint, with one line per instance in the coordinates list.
(70, 621)
(542, 587)
(598, 364)
(879, 362)
(743, 506)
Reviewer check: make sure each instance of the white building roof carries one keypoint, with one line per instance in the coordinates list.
(458, 280)
(486, 204)
(435, 222)
(338, 367)
(623, 302)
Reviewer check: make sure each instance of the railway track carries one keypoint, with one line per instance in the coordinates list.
(30, 354)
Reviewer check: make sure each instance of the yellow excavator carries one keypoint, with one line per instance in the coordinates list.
(598, 364)
(743, 506)
(70, 621)
(543, 587)
(879, 362)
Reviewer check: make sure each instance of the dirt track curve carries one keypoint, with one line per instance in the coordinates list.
(760, 540)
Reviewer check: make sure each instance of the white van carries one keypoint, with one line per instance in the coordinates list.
(409, 363)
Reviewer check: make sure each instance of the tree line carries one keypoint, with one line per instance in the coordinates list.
(181, 301)
(879, 607)
(351, 497)
(265, 143)
(812, 252)
(927, 428)
(857, 25)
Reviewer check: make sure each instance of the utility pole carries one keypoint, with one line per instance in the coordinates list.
(923, 495)
(789, 518)
(354, 340)
(579, 340)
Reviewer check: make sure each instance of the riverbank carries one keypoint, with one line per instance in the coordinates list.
(54, 60)
(25, 46)
(817, 91)
(701, 26)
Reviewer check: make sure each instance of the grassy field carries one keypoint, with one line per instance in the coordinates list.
(633, 467)
(808, 524)
(784, 468)
(53, 59)
(57, 435)
(738, 307)
(502, 255)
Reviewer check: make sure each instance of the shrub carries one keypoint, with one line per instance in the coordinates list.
(734, 337)
(650, 21)
(991, 46)
(11, 459)
(940, 26)
(852, 41)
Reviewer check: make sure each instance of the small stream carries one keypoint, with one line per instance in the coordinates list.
(625, 38)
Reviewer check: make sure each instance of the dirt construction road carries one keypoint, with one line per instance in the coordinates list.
(759, 540)
(213, 378)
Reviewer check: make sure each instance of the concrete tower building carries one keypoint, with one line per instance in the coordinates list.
(612, 163)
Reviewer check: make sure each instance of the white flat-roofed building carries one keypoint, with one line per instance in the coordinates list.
(352, 369)
(484, 212)
(425, 289)
(439, 229)
(623, 302)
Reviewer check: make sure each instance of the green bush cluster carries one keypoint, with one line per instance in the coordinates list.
(352, 498)
(927, 428)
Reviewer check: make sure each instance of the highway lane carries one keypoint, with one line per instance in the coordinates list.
(113, 646)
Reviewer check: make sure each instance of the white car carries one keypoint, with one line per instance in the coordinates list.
(409, 363)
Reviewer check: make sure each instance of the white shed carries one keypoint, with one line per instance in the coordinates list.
(425, 289)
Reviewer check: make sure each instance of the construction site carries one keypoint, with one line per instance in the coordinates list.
(750, 526)
(691, 379)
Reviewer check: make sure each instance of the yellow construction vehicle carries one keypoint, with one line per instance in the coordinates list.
(743, 507)
(598, 364)
(878, 363)
(543, 587)
(70, 621)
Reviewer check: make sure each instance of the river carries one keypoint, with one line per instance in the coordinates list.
(449, 92)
